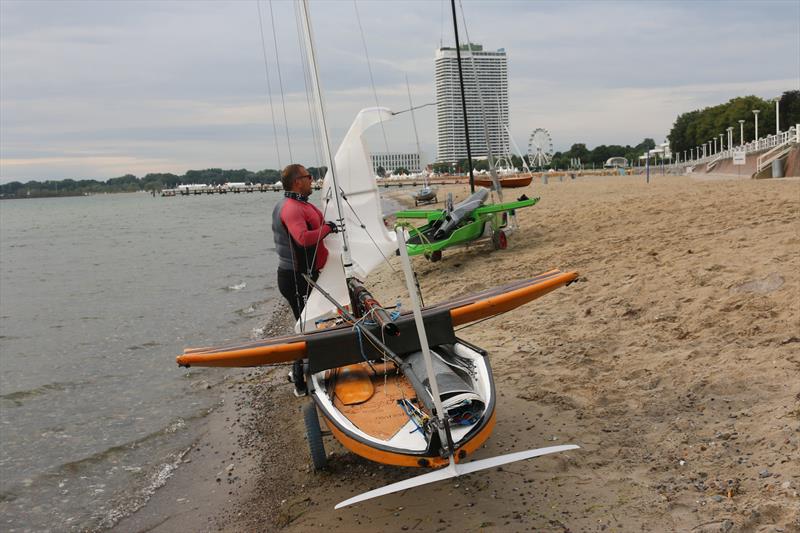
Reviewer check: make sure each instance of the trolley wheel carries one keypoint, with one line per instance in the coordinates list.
(499, 240)
(434, 256)
(314, 434)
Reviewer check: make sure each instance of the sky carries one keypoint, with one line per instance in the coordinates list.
(101, 89)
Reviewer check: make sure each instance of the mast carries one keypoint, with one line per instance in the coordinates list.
(490, 156)
(323, 126)
(463, 98)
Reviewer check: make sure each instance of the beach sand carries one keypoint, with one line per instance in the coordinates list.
(674, 362)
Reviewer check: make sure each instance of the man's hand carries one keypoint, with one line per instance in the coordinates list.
(333, 226)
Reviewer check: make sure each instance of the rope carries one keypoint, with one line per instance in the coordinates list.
(371, 79)
(364, 227)
(269, 85)
(413, 108)
(490, 155)
(414, 122)
(317, 144)
(280, 81)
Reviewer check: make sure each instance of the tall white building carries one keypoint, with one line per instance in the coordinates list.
(392, 161)
(492, 73)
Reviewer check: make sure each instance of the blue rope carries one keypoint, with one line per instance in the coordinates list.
(360, 343)
(408, 413)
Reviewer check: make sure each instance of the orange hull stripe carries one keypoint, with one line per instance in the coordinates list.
(399, 459)
(263, 355)
(507, 301)
(291, 351)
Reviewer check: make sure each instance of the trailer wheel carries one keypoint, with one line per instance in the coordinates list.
(499, 240)
(314, 435)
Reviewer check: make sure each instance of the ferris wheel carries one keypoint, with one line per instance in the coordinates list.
(540, 148)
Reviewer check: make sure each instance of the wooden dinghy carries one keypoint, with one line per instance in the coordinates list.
(511, 182)
(383, 411)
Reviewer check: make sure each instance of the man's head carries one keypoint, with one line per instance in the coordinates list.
(296, 178)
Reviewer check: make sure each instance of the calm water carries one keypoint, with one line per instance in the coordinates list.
(97, 296)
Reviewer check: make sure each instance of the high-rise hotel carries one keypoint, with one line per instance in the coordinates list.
(492, 73)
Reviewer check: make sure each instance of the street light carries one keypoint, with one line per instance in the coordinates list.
(777, 115)
(756, 112)
(715, 146)
(730, 137)
(720, 141)
(741, 132)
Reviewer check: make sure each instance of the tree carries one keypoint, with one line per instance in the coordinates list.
(789, 109)
(695, 128)
(318, 172)
(442, 168)
(400, 171)
(381, 172)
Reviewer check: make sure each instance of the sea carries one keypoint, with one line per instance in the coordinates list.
(98, 294)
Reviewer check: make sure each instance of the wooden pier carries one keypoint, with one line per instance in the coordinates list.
(191, 190)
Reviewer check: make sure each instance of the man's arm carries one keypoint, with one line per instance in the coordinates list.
(295, 221)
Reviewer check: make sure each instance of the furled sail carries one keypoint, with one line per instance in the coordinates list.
(370, 240)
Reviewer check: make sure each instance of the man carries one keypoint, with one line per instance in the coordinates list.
(298, 228)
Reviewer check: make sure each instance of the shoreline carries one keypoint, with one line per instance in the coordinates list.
(668, 364)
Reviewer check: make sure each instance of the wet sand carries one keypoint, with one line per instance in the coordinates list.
(674, 363)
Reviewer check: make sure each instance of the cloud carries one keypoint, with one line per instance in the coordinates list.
(87, 88)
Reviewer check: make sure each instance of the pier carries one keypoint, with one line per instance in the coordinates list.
(188, 190)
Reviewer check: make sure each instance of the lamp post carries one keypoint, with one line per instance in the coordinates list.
(777, 115)
(730, 137)
(715, 146)
(756, 112)
(741, 132)
(720, 141)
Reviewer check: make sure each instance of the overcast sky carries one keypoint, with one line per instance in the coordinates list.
(100, 89)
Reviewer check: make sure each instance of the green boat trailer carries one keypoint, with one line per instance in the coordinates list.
(421, 241)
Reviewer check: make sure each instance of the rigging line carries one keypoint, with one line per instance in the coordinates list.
(463, 98)
(316, 143)
(280, 81)
(414, 122)
(269, 85)
(371, 79)
(441, 25)
(490, 155)
(364, 227)
(316, 247)
(413, 108)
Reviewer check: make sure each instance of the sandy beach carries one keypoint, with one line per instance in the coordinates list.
(674, 362)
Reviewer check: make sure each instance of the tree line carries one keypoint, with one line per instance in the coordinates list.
(150, 182)
(694, 128)
(561, 160)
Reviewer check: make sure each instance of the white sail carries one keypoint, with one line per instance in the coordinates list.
(370, 240)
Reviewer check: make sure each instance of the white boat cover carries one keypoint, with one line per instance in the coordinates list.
(370, 240)
(459, 211)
